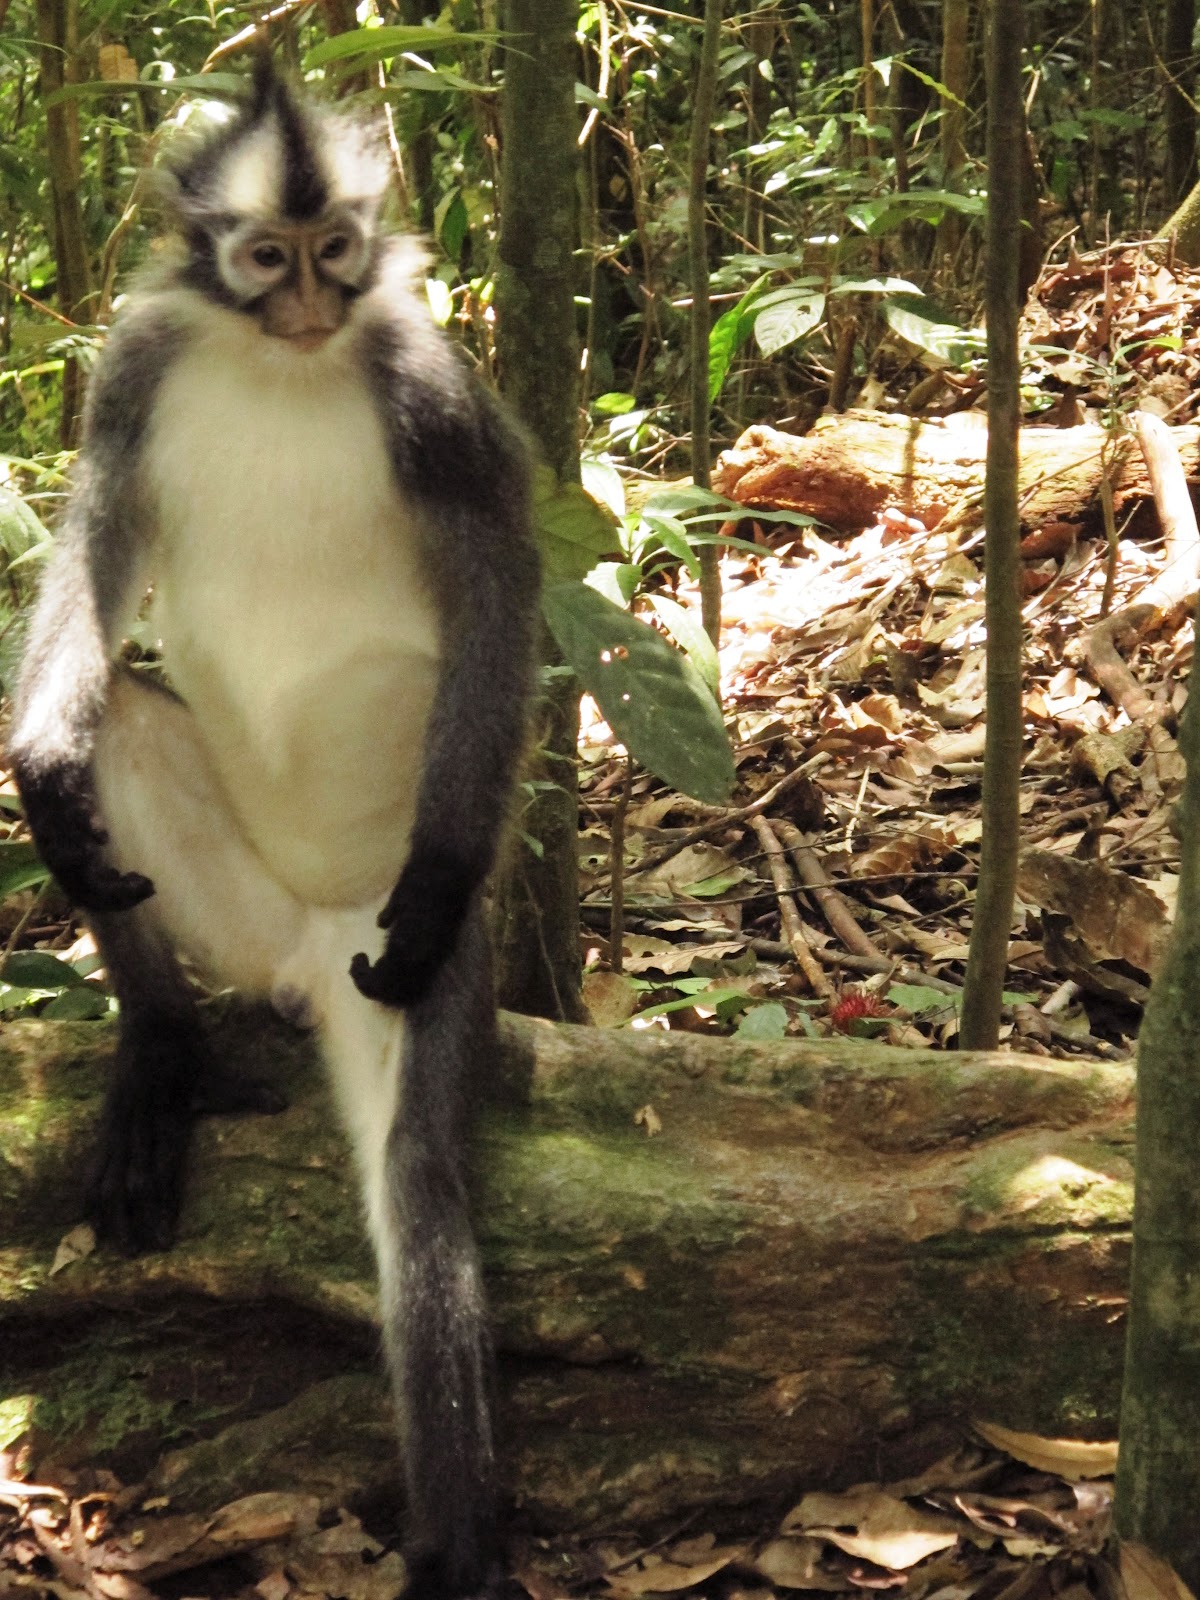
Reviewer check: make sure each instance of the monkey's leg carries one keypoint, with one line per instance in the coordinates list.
(214, 901)
(407, 1083)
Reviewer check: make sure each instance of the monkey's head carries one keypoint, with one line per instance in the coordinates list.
(279, 212)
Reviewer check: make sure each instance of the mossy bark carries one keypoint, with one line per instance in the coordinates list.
(1158, 1480)
(538, 351)
(828, 1259)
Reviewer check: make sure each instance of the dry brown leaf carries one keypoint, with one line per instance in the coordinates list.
(74, 1246)
(651, 812)
(889, 1532)
(1069, 1458)
(660, 1576)
(649, 1119)
(1148, 1577)
(646, 954)
(1118, 917)
(610, 998)
(258, 1517)
(275, 1586)
(796, 1564)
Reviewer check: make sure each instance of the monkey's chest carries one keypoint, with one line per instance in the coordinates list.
(297, 626)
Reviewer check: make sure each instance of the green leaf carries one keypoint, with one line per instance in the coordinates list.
(212, 85)
(615, 580)
(20, 868)
(604, 483)
(574, 531)
(20, 530)
(873, 286)
(713, 888)
(441, 302)
(613, 404)
(85, 1004)
(673, 536)
(688, 633)
(785, 315)
(16, 998)
(707, 998)
(729, 332)
(375, 44)
(651, 696)
(764, 1022)
(916, 998)
(37, 969)
(923, 322)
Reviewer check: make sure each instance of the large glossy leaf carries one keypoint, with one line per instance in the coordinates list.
(688, 633)
(20, 529)
(20, 868)
(785, 315)
(573, 529)
(652, 697)
(38, 969)
(922, 322)
(729, 332)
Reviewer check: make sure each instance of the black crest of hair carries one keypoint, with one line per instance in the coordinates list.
(304, 193)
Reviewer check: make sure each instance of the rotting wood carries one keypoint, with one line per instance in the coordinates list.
(850, 468)
(830, 1255)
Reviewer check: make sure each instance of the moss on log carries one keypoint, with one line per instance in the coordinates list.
(829, 1257)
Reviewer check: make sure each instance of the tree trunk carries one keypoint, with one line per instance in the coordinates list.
(979, 1027)
(56, 24)
(848, 468)
(1179, 62)
(537, 349)
(1158, 1478)
(704, 101)
(955, 74)
(829, 1258)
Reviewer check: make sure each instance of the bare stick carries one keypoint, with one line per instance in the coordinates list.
(616, 920)
(834, 906)
(792, 926)
(726, 819)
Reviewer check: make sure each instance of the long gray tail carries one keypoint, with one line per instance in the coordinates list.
(435, 1321)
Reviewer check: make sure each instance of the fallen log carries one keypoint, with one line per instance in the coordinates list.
(849, 468)
(830, 1256)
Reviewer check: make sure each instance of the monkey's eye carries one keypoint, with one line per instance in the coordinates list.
(268, 256)
(336, 245)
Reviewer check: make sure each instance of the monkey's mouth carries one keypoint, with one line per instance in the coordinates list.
(309, 338)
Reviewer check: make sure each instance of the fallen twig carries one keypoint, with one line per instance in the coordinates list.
(793, 927)
(834, 906)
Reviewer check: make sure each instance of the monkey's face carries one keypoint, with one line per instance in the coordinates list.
(299, 280)
(279, 210)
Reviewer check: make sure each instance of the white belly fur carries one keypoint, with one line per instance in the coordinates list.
(288, 598)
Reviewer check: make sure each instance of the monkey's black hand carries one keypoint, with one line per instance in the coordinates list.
(60, 808)
(423, 916)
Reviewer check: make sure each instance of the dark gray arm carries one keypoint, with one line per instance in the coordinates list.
(85, 596)
(462, 463)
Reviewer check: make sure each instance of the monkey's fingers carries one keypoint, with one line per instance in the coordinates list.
(103, 888)
(393, 980)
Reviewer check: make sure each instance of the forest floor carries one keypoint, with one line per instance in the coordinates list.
(853, 668)
(835, 895)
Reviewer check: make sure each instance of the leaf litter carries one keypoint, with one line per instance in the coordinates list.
(1004, 1509)
(857, 660)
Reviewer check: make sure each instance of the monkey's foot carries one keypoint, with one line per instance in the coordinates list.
(136, 1189)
